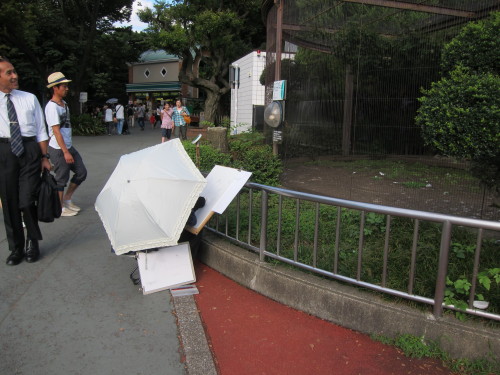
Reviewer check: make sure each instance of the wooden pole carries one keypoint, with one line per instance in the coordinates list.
(279, 41)
(198, 155)
(347, 123)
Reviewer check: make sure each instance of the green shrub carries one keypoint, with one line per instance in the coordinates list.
(209, 156)
(85, 124)
(460, 114)
(266, 168)
(251, 154)
(476, 46)
(240, 142)
(247, 152)
(460, 117)
(419, 347)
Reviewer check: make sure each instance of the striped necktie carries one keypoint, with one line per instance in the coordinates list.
(16, 141)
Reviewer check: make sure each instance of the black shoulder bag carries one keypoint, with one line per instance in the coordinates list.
(49, 204)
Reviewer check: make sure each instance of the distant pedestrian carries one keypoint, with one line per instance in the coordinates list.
(131, 115)
(157, 116)
(166, 122)
(23, 153)
(141, 112)
(98, 113)
(120, 117)
(180, 125)
(63, 154)
(125, 129)
(108, 119)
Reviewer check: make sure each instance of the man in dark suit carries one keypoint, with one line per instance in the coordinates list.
(23, 154)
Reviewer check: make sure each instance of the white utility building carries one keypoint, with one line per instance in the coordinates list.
(247, 94)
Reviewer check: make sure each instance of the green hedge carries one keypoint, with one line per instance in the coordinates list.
(460, 113)
(87, 125)
(247, 151)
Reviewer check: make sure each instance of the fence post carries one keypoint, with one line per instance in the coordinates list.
(442, 269)
(263, 225)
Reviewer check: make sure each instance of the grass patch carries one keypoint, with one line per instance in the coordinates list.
(417, 347)
(417, 174)
(414, 184)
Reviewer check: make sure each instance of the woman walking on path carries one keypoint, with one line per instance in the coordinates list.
(166, 122)
(177, 117)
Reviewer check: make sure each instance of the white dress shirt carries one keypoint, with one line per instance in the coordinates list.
(29, 114)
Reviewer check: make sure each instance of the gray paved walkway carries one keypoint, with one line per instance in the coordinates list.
(76, 311)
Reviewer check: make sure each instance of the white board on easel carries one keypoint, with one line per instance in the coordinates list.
(223, 184)
(166, 268)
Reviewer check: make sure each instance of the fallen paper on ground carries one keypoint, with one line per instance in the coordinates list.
(167, 268)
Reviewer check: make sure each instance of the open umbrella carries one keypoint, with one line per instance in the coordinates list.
(148, 198)
(112, 101)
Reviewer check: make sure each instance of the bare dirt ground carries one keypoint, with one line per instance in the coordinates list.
(370, 186)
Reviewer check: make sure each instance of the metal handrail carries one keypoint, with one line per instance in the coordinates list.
(447, 222)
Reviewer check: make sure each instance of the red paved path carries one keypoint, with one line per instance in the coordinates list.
(252, 334)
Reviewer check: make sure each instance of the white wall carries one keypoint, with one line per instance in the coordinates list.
(250, 92)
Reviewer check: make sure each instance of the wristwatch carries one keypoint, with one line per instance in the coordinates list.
(46, 156)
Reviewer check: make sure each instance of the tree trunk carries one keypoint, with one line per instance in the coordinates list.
(347, 122)
(213, 88)
(211, 105)
(496, 197)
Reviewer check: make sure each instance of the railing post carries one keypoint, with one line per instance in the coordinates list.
(442, 269)
(263, 225)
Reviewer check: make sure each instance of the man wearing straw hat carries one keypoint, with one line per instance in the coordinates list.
(64, 156)
(23, 154)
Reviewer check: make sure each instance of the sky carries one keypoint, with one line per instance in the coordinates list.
(134, 20)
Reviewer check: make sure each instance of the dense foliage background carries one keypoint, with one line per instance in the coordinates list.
(76, 38)
(209, 35)
(460, 113)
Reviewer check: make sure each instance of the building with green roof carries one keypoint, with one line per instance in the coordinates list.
(153, 79)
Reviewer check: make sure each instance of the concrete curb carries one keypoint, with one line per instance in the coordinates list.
(345, 305)
(199, 360)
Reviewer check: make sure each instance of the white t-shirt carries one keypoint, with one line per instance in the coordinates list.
(108, 115)
(120, 113)
(57, 115)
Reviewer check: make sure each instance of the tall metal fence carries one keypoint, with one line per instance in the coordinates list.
(355, 71)
(432, 259)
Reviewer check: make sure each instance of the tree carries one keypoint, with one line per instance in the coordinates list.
(208, 35)
(460, 114)
(112, 51)
(45, 36)
(477, 47)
